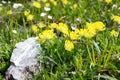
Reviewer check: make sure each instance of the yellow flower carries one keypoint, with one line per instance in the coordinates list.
(36, 4)
(9, 12)
(44, 1)
(1, 8)
(108, 1)
(68, 45)
(53, 25)
(116, 19)
(65, 2)
(41, 25)
(26, 13)
(35, 28)
(63, 28)
(73, 36)
(114, 33)
(30, 17)
(54, 2)
(46, 35)
(99, 26)
(47, 4)
(96, 26)
(75, 6)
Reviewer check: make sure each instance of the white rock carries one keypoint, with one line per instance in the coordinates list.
(24, 60)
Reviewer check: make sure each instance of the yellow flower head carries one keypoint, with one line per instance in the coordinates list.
(30, 17)
(36, 4)
(53, 2)
(26, 13)
(9, 12)
(53, 25)
(75, 6)
(41, 25)
(47, 4)
(73, 35)
(116, 19)
(65, 2)
(114, 33)
(35, 29)
(108, 1)
(63, 28)
(46, 35)
(1, 8)
(99, 26)
(68, 45)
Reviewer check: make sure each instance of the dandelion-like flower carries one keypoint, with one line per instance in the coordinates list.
(63, 28)
(108, 1)
(35, 28)
(26, 13)
(41, 25)
(46, 35)
(73, 35)
(114, 33)
(116, 19)
(30, 17)
(36, 4)
(9, 12)
(69, 45)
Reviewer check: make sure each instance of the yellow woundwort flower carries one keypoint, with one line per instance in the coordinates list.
(114, 33)
(47, 4)
(69, 45)
(73, 35)
(41, 25)
(46, 35)
(9, 12)
(65, 2)
(53, 25)
(1, 8)
(116, 19)
(99, 26)
(30, 17)
(54, 2)
(63, 28)
(35, 28)
(75, 6)
(36, 4)
(26, 13)
(108, 1)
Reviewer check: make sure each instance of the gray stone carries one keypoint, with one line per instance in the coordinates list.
(24, 60)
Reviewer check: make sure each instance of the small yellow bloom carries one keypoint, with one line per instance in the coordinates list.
(69, 45)
(75, 6)
(73, 36)
(114, 33)
(108, 1)
(9, 12)
(53, 25)
(30, 17)
(116, 19)
(65, 2)
(46, 35)
(26, 13)
(44, 1)
(35, 29)
(53, 2)
(41, 25)
(63, 28)
(1, 8)
(36, 4)
(47, 4)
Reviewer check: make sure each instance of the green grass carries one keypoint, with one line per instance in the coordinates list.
(95, 58)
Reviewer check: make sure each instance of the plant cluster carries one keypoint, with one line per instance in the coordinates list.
(80, 39)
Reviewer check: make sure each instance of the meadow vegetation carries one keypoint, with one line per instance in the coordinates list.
(80, 39)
